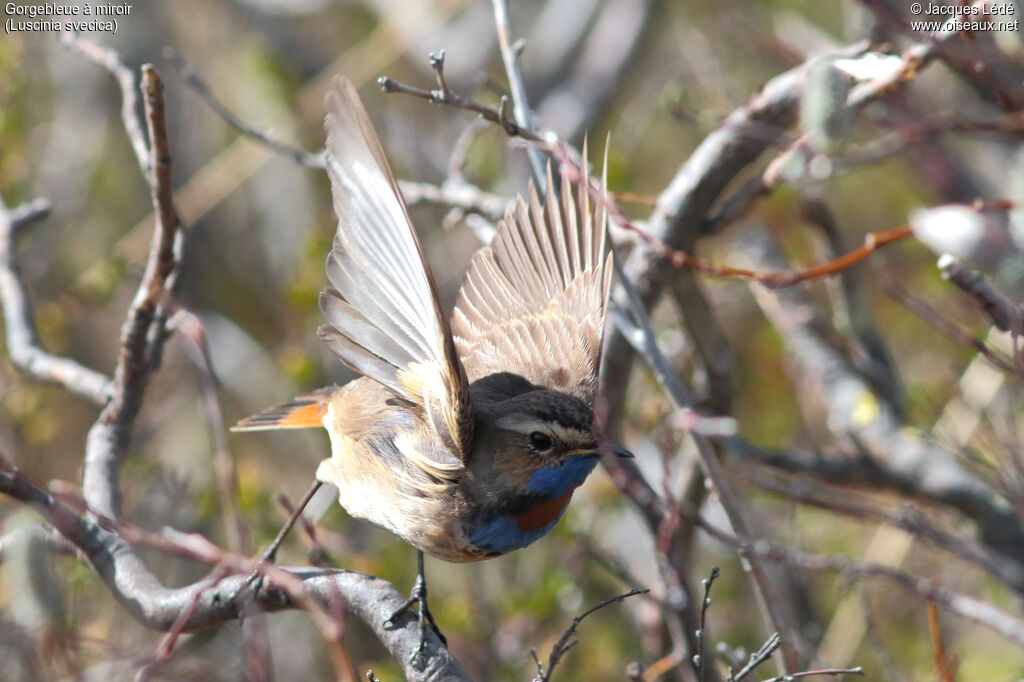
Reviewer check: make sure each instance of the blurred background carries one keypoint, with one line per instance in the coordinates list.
(657, 76)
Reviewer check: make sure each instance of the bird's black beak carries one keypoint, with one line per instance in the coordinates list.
(615, 449)
(601, 449)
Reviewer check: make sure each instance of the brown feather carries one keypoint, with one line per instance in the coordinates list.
(383, 315)
(533, 302)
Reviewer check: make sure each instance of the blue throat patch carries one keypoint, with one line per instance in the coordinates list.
(505, 533)
(555, 481)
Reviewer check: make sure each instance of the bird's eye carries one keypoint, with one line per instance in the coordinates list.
(540, 441)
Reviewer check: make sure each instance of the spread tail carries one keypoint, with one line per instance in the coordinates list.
(303, 412)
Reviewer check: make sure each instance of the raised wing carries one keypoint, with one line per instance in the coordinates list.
(533, 302)
(383, 316)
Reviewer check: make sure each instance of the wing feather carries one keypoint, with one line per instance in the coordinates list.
(383, 316)
(534, 301)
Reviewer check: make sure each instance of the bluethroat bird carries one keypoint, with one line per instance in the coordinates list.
(466, 438)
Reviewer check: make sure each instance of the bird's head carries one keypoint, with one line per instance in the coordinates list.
(533, 449)
(543, 442)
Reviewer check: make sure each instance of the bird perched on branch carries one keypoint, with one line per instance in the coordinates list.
(467, 437)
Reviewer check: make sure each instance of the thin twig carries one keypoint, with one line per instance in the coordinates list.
(112, 62)
(698, 659)
(520, 104)
(197, 349)
(455, 193)
(954, 333)
(566, 641)
(166, 647)
(858, 670)
(758, 657)
(876, 643)
(26, 215)
(944, 665)
(450, 98)
(196, 83)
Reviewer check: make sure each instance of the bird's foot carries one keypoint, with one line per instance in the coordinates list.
(425, 617)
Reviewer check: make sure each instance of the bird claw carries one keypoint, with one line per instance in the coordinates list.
(418, 595)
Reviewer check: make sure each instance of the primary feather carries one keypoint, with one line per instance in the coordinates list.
(534, 301)
(383, 316)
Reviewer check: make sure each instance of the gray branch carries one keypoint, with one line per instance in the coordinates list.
(913, 466)
(23, 346)
(129, 579)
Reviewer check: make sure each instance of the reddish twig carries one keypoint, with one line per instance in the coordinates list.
(873, 241)
(944, 665)
(166, 647)
(197, 349)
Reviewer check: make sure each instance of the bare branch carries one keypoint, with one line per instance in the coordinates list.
(566, 641)
(455, 193)
(920, 307)
(112, 62)
(764, 591)
(449, 98)
(107, 546)
(143, 332)
(1004, 313)
(521, 106)
(195, 82)
(757, 658)
(23, 346)
(699, 661)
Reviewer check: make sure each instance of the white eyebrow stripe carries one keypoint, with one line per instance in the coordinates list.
(527, 426)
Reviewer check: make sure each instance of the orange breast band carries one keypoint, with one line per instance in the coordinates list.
(542, 514)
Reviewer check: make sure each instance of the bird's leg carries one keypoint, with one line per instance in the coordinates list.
(426, 618)
(271, 552)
